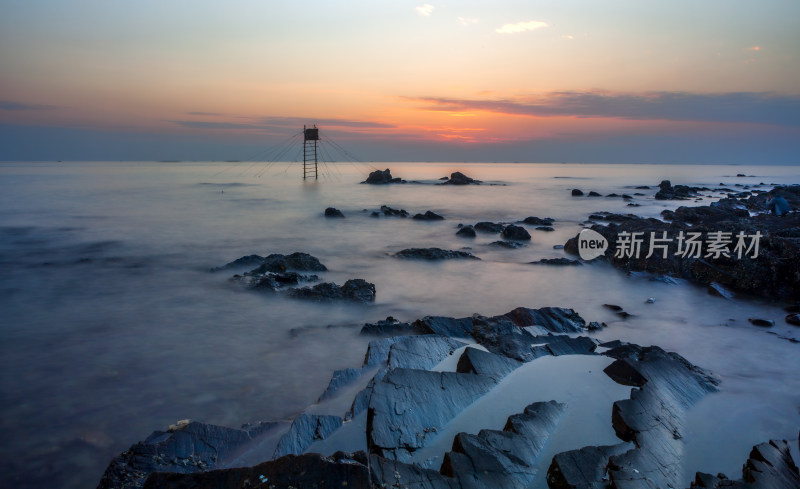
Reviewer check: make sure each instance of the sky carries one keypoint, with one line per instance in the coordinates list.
(679, 81)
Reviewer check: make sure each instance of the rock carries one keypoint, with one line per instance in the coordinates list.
(421, 352)
(428, 216)
(388, 211)
(582, 469)
(504, 459)
(378, 351)
(489, 227)
(557, 345)
(409, 406)
(577, 192)
(276, 281)
(545, 228)
(653, 417)
(793, 319)
(612, 195)
(517, 233)
(393, 474)
(613, 307)
(479, 362)
(678, 192)
(305, 429)
(381, 177)
(650, 300)
(358, 290)
(552, 319)
(339, 379)
(311, 471)
(556, 261)
(466, 232)
(593, 194)
(390, 327)
(193, 447)
(302, 262)
(500, 335)
(458, 178)
(535, 221)
(512, 245)
(333, 212)
(627, 197)
(719, 291)
(558, 247)
(770, 466)
(764, 323)
(245, 261)
(434, 254)
(445, 326)
(595, 326)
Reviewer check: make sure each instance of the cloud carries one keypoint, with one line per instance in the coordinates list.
(208, 114)
(425, 10)
(20, 106)
(754, 48)
(738, 107)
(215, 125)
(282, 122)
(531, 25)
(467, 21)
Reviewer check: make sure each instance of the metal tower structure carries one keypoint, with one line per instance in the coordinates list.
(310, 141)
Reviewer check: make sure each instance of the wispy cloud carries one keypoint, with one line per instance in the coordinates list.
(465, 21)
(21, 106)
(531, 25)
(739, 107)
(425, 10)
(281, 122)
(216, 125)
(205, 114)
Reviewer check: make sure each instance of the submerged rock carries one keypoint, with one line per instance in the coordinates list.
(576, 192)
(434, 254)
(358, 290)
(793, 319)
(545, 228)
(388, 211)
(390, 327)
(302, 262)
(305, 429)
(245, 261)
(512, 245)
(536, 221)
(678, 192)
(428, 216)
(489, 227)
(764, 323)
(458, 178)
(466, 232)
(517, 233)
(556, 261)
(379, 177)
(333, 212)
(770, 466)
(276, 281)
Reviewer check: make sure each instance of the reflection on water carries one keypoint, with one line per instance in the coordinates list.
(113, 326)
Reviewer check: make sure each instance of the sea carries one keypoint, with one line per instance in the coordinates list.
(112, 325)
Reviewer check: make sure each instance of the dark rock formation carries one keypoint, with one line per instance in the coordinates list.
(458, 178)
(584, 468)
(536, 221)
(545, 228)
(428, 216)
(305, 429)
(489, 227)
(276, 281)
(764, 323)
(421, 352)
(434, 254)
(339, 379)
(245, 261)
(388, 211)
(479, 362)
(552, 319)
(333, 212)
(517, 233)
(576, 192)
(511, 245)
(594, 194)
(302, 262)
(793, 319)
(445, 326)
(466, 232)
(770, 466)
(556, 261)
(678, 192)
(358, 290)
(381, 177)
(391, 327)
(312, 471)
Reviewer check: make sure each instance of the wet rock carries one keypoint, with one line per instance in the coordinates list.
(305, 429)
(577, 192)
(489, 227)
(339, 379)
(276, 281)
(650, 300)
(434, 254)
(495, 459)
(545, 228)
(466, 232)
(245, 261)
(653, 417)
(445, 326)
(512, 245)
(719, 291)
(556, 261)
(333, 212)
(558, 247)
(409, 406)
(390, 212)
(612, 195)
(551, 319)
(479, 362)
(189, 447)
(390, 327)
(536, 221)
(379, 177)
(764, 323)
(358, 290)
(517, 233)
(584, 468)
(594, 194)
(595, 326)
(428, 216)
(793, 319)
(393, 474)
(678, 192)
(613, 307)
(557, 345)
(770, 466)
(302, 262)
(311, 471)
(458, 178)
(500, 335)
(421, 352)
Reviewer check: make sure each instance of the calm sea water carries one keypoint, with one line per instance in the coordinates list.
(113, 327)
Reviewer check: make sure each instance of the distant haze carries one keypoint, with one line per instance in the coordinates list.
(716, 81)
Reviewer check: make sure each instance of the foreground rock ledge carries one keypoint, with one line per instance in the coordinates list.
(405, 405)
